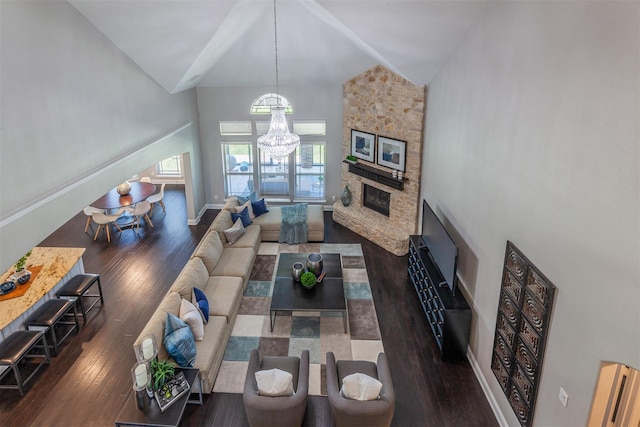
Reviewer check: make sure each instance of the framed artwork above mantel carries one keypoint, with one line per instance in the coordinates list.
(392, 153)
(363, 145)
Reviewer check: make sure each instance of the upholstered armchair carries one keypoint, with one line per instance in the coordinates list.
(264, 411)
(356, 413)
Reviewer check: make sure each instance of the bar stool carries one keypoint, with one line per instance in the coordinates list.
(54, 313)
(77, 289)
(18, 346)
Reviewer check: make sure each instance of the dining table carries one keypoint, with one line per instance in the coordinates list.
(113, 200)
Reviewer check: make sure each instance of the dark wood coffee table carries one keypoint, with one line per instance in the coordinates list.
(327, 296)
(151, 415)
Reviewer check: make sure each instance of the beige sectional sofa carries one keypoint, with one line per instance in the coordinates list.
(221, 271)
(270, 222)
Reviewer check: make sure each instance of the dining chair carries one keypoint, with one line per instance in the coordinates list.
(89, 211)
(105, 221)
(141, 210)
(157, 198)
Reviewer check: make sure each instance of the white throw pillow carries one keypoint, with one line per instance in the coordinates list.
(360, 387)
(249, 208)
(274, 382)
(234, 233)
(190, 315)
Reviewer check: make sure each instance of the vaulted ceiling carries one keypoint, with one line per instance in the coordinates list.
(228, 43)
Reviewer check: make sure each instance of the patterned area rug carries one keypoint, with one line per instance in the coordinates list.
(301, 330)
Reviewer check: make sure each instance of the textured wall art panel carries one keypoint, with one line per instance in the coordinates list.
(524, 310)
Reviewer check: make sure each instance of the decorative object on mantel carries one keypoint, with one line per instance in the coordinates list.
(297, 269)
(314, 263)
(346, 196)
(400, 174)
(392, 153)
(124, 188)
(351, 159)
(363, 145)
(524, 311)
(394, 173)
(278, 143)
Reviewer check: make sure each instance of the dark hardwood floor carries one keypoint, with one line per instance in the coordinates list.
(88, 382)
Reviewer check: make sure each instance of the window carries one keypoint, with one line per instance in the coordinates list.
(299, 176)
(237, 159)
(309, 171)
(170, 167)
(263, 104)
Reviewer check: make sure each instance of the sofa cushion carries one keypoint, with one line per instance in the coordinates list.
(222, 222)
(252, 198)
(259, 207)
(243, 215)
(190, 315)
(250, 238)
(200, 300)
(246, 205)
(194, 274)
(179, 341)
(225, 295)
(235, 262)
(360, 386)
(234, 233)
(274, 382)
(211, 350)
(210, 250)
(155, 326)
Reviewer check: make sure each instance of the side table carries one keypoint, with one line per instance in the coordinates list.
(151, 415)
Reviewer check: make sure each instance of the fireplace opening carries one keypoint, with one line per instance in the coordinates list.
(376, 199)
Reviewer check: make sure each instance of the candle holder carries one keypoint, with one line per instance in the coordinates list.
(147, 349)
(141, 377)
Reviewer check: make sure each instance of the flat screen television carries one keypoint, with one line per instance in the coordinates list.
(440, 246)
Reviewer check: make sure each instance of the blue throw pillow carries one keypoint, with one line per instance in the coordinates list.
(200, 300)
(259, 207)
(179, 341)
(252, 196)
(244, 216)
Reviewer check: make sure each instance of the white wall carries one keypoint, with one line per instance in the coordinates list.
(75, 112)
(532, 135)
(215, 104)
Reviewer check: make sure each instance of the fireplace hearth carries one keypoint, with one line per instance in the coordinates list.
(376, 199)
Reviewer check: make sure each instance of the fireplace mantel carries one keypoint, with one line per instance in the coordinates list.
(376, 175)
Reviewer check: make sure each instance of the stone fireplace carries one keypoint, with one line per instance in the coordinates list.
(384, 104)
(376, 199)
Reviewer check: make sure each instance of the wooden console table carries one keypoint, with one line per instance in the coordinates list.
(58, 266)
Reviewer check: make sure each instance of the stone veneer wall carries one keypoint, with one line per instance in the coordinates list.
(385, 104)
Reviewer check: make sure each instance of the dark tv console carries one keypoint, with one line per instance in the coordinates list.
(448, 315)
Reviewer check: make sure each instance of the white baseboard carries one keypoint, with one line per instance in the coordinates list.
(486, 389)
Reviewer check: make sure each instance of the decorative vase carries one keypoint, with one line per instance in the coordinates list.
(124, 188)
(314, 263)
(296, 271)
(346, 196)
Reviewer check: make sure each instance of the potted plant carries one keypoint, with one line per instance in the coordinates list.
(162, 371)
(308, 280)
(22, 275)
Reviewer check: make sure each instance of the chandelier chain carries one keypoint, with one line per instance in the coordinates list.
(275, 32)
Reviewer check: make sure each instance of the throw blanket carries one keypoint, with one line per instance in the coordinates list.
(294, 228)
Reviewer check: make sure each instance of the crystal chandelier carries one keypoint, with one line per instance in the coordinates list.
(278, 143)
